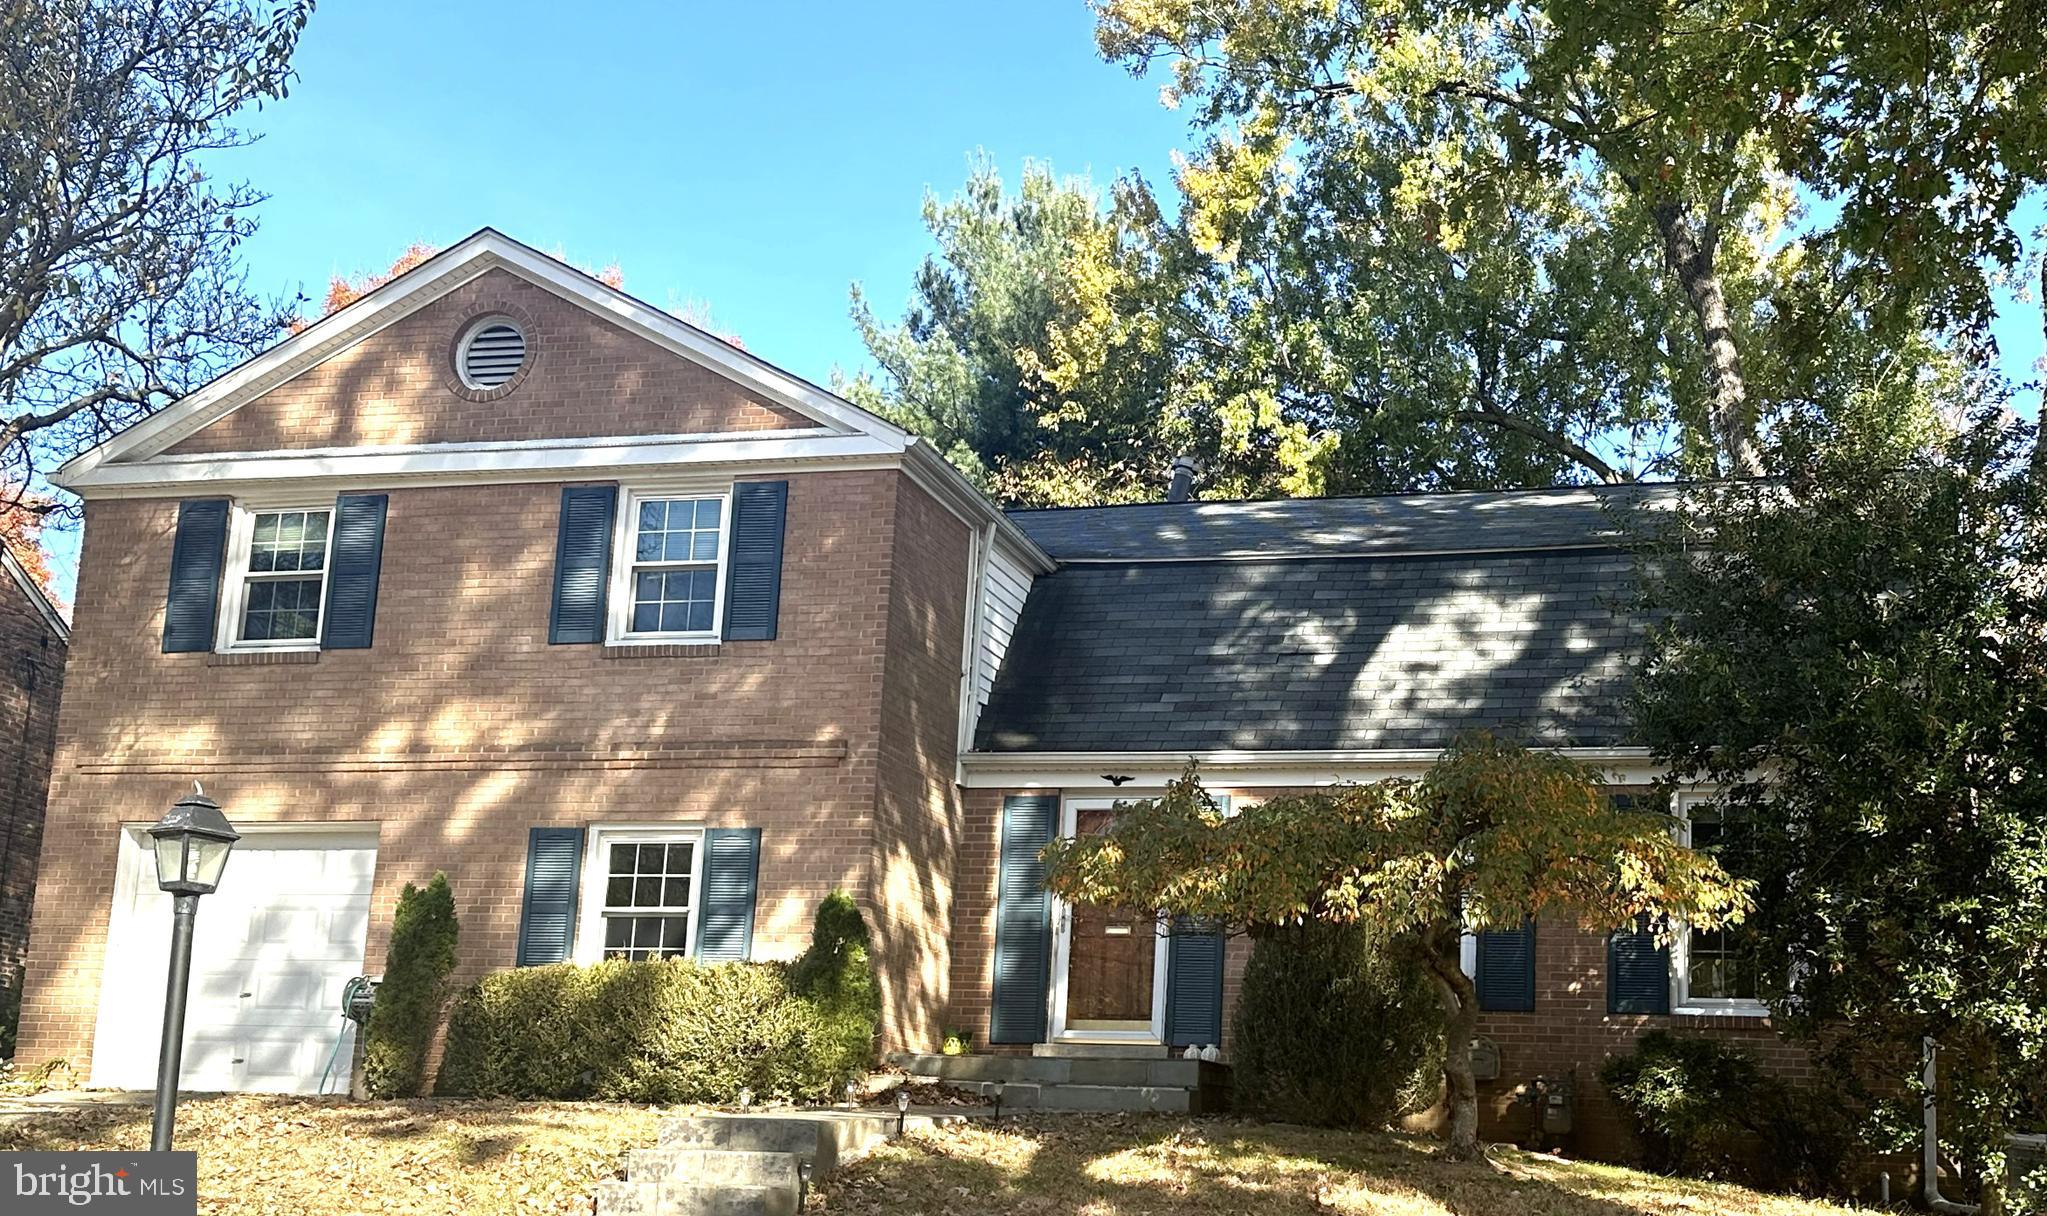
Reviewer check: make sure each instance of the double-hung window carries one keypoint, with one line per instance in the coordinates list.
(1716, 969)
(642, 884)
(670, 567)
(277, 583)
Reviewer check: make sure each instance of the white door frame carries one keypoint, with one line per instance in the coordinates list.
(1062, 947)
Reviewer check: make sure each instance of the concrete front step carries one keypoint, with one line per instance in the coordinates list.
(964, 1070)
(1164, 1099)
(1096, 1051)
(739, 1167)
(677, 1198)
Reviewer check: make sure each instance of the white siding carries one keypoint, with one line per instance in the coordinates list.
(1005, 583)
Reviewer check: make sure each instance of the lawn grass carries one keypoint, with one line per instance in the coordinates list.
(1132, 1165)
(272, 1156)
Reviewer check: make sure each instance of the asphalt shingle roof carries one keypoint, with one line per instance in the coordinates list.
(1401, 523)
(1381, 640)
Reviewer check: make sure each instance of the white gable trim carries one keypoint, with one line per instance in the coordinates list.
(34, 591)
(436, 277)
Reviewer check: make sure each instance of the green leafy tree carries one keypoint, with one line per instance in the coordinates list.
(1871, 634)
(1491, 836)
(120, 279)
(1480, 189)
(965, 366)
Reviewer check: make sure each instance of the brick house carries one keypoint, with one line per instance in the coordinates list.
(650, 645)
(33, 637)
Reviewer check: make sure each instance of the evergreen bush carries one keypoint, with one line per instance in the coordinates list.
(413, 991)
(1702, 1108)
(1334, 1030)
(836, 975)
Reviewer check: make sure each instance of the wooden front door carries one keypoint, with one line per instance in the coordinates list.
(1111, 958)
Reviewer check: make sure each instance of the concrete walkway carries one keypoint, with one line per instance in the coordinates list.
(16, 1108)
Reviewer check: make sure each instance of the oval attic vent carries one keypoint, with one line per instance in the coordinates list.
(494, 353)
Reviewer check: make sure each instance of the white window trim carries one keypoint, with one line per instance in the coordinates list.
(596, 871)
(234, 587)
(625, 533)
(1681, 1000)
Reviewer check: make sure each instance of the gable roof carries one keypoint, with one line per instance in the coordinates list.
(1458, 522)
(1325, 625)
(33, 592)
(135, 460)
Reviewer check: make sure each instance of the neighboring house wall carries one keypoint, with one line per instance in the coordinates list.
(31, 686)
(462, 727)
(586, 378)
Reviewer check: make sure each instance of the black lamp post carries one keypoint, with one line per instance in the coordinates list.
(192, 844)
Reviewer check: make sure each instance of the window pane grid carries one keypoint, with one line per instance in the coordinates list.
(280, 602)
(1720, 964)
(675, 565)
(647, 899)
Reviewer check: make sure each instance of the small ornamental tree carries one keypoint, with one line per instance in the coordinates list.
(1491, 836)
(414, 988)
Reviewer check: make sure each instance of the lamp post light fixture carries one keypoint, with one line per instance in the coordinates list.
(997, 1093)
(902, 1109)
(192, 842)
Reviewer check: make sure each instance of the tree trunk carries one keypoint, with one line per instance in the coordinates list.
(1691, 258)
(1460, 1023)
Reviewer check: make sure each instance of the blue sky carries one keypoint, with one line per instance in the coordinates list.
(752, 159)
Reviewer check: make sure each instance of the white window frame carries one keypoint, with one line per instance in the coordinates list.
(1681, 999)
(234, 589)
(590, 904)
(625, 535)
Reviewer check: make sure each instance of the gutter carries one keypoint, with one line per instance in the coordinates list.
(1929, 1170)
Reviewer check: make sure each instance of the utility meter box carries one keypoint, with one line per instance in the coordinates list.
(1558, 1101)
(1485, 1060)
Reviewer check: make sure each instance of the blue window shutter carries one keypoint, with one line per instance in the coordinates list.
(547, 918)
(1023, 920)
(197, 556)
(753, 571)
(1194, 984)
(356, 560)
(1506, 969)
(732, 862)
(1637, 972)
(582, 563)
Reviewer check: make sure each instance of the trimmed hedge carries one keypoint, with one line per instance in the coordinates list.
(1333, 1030)
(413, 991)
(1704, 1109)
(672, 1031)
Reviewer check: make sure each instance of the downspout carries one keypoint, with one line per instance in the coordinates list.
(1929, 1170)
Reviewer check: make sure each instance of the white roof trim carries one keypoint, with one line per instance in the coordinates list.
(1244, 769)
(37, 597)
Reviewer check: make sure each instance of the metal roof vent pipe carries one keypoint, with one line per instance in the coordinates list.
(1181, 487)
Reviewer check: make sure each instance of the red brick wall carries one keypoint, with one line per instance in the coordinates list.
(31, 687)
(917, 813)
(585, 378)
(1569, 1032)
(462, 727)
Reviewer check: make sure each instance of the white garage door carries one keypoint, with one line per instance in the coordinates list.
(271, 951)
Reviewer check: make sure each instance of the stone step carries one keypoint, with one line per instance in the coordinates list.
(960, 1070)
(1096, 1051)
(695, 1199)
(1164, 1099)
(804, 1138)
(741, 1167)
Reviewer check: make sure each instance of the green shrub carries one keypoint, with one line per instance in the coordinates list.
(10, 1011)
(675, 1030)
(1332, 1029)
(414, 988)
(1704, 1109)
(836, 975)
